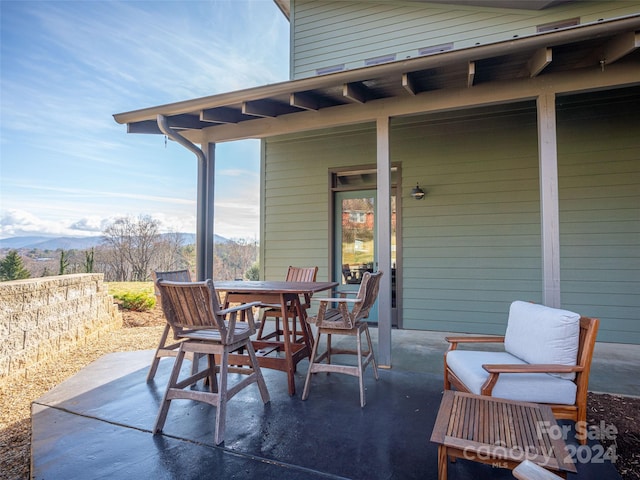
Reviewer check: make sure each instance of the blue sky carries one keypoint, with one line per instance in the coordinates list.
(67, 168)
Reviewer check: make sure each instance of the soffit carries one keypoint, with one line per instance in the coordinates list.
(569, 49)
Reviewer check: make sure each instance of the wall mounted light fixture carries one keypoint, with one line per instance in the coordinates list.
(417, 193)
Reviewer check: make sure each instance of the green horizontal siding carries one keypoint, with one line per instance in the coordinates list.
(296, 195)
(472, 246)
(599, 180)
(327, 33)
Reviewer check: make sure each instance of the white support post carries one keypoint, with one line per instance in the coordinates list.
(384, 241)
(549, 203)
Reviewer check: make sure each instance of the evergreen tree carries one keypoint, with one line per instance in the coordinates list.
(88, 261)
(64, 263)
(12, 268)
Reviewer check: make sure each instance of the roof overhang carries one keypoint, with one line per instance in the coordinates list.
(285, 5)
(572, 49)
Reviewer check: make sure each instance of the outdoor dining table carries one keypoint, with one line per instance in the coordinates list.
(287, 296)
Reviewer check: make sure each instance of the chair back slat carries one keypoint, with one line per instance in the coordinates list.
(191, 305)
(172, 276)
(302, 274)
(368, 292)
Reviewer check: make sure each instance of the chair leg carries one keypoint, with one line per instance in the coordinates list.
(212, 378)
(447, 382)
(166, 401)
(373, 357)
(262, 386)
(221, 410)
(312, 358)
(360, 369)
(275, 333)
(156, 357)
(262, 320)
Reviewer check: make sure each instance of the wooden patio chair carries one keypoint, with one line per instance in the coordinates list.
(294, 274)
(342, 321)
(165, 348)
(194, 314)
(546, 359)
(350, 277)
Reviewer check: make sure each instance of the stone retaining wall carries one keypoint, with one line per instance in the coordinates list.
(40, 317)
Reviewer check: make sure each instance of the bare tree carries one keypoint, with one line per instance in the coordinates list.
(134, 243)
(117, 241)
(170, 254)
(234, 259)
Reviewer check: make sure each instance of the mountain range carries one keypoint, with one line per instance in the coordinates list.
(77, 243)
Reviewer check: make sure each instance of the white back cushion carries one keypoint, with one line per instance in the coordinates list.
(539, 334)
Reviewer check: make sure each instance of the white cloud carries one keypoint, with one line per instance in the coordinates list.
(93, 225)
(19, 223)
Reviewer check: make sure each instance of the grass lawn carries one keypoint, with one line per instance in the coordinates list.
(120, 288)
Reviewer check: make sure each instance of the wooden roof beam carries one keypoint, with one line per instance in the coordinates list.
(265, 108)
(355, 92)
(539, 61)
(222, 115)
(620, 46)
(179, 122)
(145, 126)
(408, 84)
(304, 101)
(471, 73)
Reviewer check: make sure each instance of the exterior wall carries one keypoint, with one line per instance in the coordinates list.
(42, 317)
(599, 180)
(296, 196)
(327, 34)
(472, 245)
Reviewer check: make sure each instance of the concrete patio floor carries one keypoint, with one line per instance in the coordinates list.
(98, 423)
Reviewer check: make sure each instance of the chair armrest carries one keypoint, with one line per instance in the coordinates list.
(496, 369)
(232, 313)
(532, 368)
(336, 294)
(275, 306)
(239, 308)
(339, 300)
(454, 341)
(345, 292)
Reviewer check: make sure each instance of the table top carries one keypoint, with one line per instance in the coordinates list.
(273, 287)
(500, 429)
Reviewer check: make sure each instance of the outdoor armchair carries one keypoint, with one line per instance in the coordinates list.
(347, 318)
(193, 311)
(546, 359)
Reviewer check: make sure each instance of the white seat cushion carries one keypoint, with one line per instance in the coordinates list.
(539, 334)
(526, 387)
